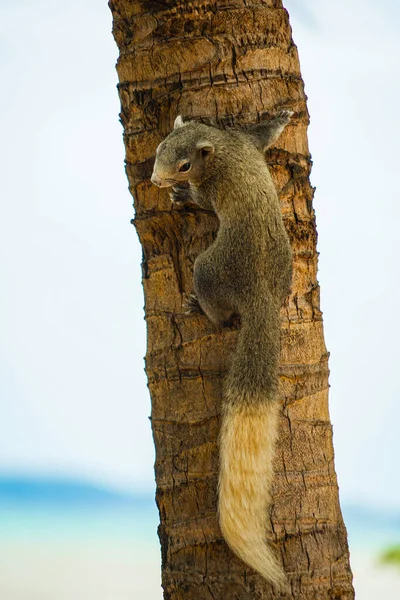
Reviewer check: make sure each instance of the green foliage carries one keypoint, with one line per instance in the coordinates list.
(391, 556)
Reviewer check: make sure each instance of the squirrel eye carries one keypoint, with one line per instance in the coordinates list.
(185, 167)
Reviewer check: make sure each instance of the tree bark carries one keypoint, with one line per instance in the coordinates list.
(235, 62)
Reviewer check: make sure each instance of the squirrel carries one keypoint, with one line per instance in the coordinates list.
(245, 272)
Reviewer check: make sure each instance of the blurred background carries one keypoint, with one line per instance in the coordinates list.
(77, 513)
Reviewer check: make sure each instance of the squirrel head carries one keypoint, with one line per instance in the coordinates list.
(184, 154)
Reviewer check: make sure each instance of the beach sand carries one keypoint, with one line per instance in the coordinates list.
(373, 580)
(94, 570)
(121, 570)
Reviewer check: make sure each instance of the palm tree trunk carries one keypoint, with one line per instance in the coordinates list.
(235, 62)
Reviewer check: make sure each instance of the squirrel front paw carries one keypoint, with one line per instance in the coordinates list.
(180, 193)
(283, 116)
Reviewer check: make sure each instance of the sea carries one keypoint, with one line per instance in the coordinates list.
(70, 540)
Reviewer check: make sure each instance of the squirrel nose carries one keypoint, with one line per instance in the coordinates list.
(156, 180)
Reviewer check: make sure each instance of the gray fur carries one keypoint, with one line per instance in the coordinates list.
(265, 134)
(248, 268)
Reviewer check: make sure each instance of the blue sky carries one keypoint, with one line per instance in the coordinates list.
(74, 399)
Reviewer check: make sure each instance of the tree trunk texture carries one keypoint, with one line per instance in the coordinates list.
(233, 61)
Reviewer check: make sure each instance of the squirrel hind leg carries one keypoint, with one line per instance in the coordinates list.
(212, 294)
(220, 316)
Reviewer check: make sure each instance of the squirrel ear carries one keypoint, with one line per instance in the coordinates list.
(178, 122)
(206, 148)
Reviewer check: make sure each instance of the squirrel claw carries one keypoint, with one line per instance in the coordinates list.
(284, 115)
(193, 306)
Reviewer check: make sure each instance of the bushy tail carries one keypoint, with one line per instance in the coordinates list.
(248, 433)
